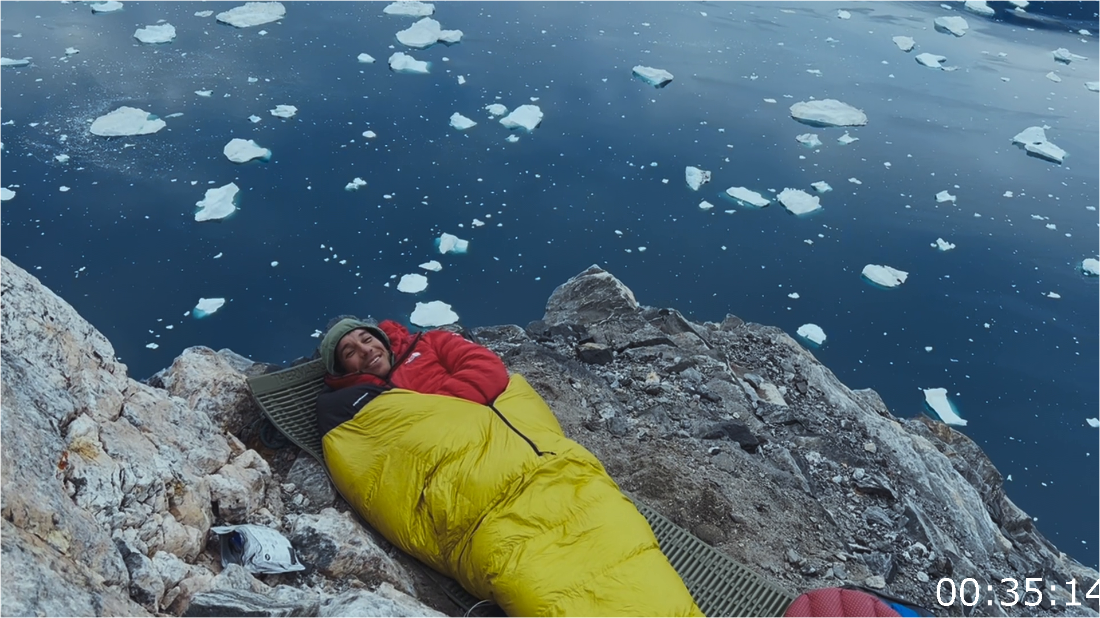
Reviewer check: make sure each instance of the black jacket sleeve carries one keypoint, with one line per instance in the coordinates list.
(334, 407)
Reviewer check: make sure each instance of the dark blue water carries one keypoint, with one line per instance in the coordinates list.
(1025, 384)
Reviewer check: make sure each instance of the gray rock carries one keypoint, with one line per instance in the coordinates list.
(593, 295)
(793, 557)
(594, 353)
(875, 581)
(231, 602)
(339, 547)
(310, 478)
(876, 515)
(385, 601)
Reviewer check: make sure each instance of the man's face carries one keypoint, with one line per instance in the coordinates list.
(361, 352)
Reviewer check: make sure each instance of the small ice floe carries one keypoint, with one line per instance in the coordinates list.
(979, 7)
(812, 333)
(696, 177)
(932, 61)
(884, 275)
(316, 334)
(204, 93)
(1089, 266)
(62, 158)
(432, 265)
(846, 139)
(842, 14)
(218, 203)
(1053, 295)
(126, 121)
(409, 8)
(821, 186)
(944, 196)
(793, 295)
(461, 80)
(1007, 194)
(461, 122)
(1054, 77)
(284, 111)
(799, 202)
(69, 51)
(512, 139)
(355, 184)
(496, 109)
(658, 78)
(828, 113)
(253, 14)
(936, 398)
(273, 265)
(747, 197)
(770, 101)
(6, 194)
(943, 245)
(412, 284)
(160, 33)
(449, 243)
(1093, 86)
(952, 24)
(816, 72)
(1034, 141)
(404, 63)
(525, 116)
(63, 189)
(204, 13)
(15, 62)
(370, 134)
(905, 43)
(106, 7)
(1065, 56)
(152, 346)
(254, 119)
(435, 313)
(207, 306)
(427, 32)
(1093, 422)
(855, 181)
(366, 58)
(809, 140)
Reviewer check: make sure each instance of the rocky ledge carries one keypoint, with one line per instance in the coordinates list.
(733, 430)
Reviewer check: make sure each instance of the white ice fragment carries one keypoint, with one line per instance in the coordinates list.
(641, 249)
(812, 333)
(952, 24)
(409, 8)
(449, 243)
(412, 284)
(284, 111)
(244, 150)
(1091, 266)
(370, 134)
(884, 275)
(905, 43)
(821, 186)
(944, 196)
(979, 7)
(855, 181)
(696, 177)
(425, 33)
(106, 7)
(705, 205)
(793, 295)
(461, 122)
(936, 398)
(798, 201)
(526, 116)
(6, 194)
(1020, 4)
(1034, 141)
(207, 306)
(461, 80)
(404, 63)
(432, 265)
(273, 265)
(366, 58)
(1007, 194)
(828, 113)
(218, 256)
(747, 197)
(15, 62)
(1093, 86)
(846, 139)
(496, 109)
(1054, 295)
(932, 61)
(161, 33)
(69, 51)
(355, 184)
(152, 346)
(1054, 77)
(943, 245)
(204, 13)
(842, 14)
(1065, 56)
(658, 78)
(253, 14)
(435, 313)
(254, 118)
(1093, 422)
(63, 189)
(769, 100)
(126, 121)
(809, 140)
(62, 158)
(218, 203)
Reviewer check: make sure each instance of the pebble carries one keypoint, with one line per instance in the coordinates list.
(875, 581)
(922, 577)
(870, 447)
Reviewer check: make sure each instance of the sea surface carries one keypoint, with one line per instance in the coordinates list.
(600, 179)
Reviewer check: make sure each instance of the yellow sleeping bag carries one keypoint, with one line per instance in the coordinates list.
(448, 481)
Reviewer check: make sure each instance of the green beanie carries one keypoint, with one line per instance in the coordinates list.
(337, 332)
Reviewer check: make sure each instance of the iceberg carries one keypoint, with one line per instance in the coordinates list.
(161, 33)
(809, 140)
(461, 122)
(254, 119)
(812, 333)
(952, 25)
(15, 62)
(409, 8)
(1089, 266)
(821, 186)
(284, 111)
(203, 13)
(152, 346)
(62, 158)
(931, 61)
(828, 113)
(512, 139)
(355, 184)
(218, 203)
(943, 245)
(366, 58)
(658, 78)
(799, 202)
(204, 93)
(842, 14)
(207, 306)
(126, 121)
(69, 51)
(1054, 295)
(496, 109)
(747, 197)
(449, 243)
(846, 139)
(1093, 86)
(1054, 77)
(432, 265)
(370, 134)
(884, 275)
(404, 63)
(1034, 141)
(1065, 56)
(6, 194)
(944, 196)
(435, 313)
(253, 14)
(1093, 422)
(412, 284)
(936, 398)
(425, 33)
(705, 205)
(905, 43)
(979, 7)
(526, 116)
(696, 177)
(106, 7)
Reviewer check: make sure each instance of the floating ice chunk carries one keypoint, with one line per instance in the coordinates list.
(696, 177)
(126, 121)
(152, 346)
(1034, 141)
(1054, 295)
(1089, 266)
(1093, 86)
(218, 203)
(1065, 56)
(1020, 4)
(69, 51)
(952, 24)
(905, 43)
(370, 134)
(253, 14)
(15, 62)
(284, 111)
(355, 184)
(496, 109)
(884, 275)
(207, 306)
(404, 63)
(943, 245)
(160, 33)
(658, 78)
(855, 181)
(944, 196)
(747, 197)
(979, 7)
(932, 61)
(63, 189)
(432, 265)
(812, 333)
(6, 194)
(273, 265)
(1007, 194)
(449, 243)
(62, 158)
(435, 313)
(816, 72)
(106, 7)
(828, 113)
(1054, 77)
(425, 33)
(846, 139)
(204, 93)
(936, 398)
(204, 13)
(821, 186)
(512, 138)
(705, 205)
(461, 80)
(254, 118)
(809, 140)
(770, 101)
(412, 284)
(842, 14)
(798, 201)
(1093, 422)
(409, 8)
(366, 58)
(461, 122)
(526, 116)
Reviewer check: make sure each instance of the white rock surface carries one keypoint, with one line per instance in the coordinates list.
(905, 43)
(253, 14)
(243, 150)
(1091, 266)
(936, 398)
(496, 109)
(366, 58)
(160, 33)
(6, 194)
(944, 196)
(748, 197)
(696, 177)
(461, 122)
(809, 140)
(412, 284)
(658, 78)
(409, 8)
(284, 111)
(884, 275)
(218, 203)
(932, 61)
(812, 333)
(943, 245)
(525, 116)
(15, 62)
(434, 313)
(952, 24)
(126, 121)
(432, 265)
(427, 32)
(829, 113)
(979, 7)
(106, 7)
(799, 202)
(404, 63)
(1034, 140)
(449, 243)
